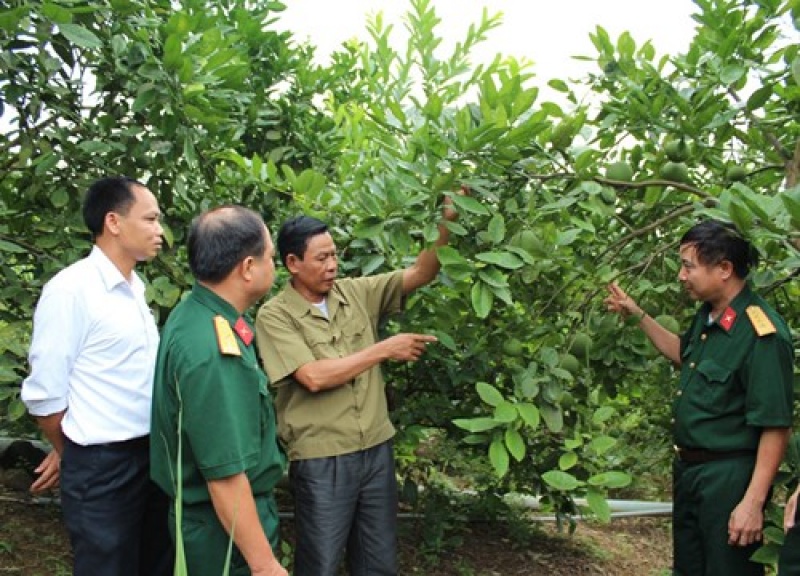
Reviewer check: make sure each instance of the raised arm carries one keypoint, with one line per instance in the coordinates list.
(666, 342)
(426, 266)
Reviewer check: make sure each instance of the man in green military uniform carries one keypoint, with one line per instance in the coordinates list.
(225, 460)
(732, 411)
(319, 343)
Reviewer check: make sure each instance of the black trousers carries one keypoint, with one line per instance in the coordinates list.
(115, 515)
(346, 502)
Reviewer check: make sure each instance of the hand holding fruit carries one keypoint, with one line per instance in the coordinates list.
(448, 212)
(620, 302)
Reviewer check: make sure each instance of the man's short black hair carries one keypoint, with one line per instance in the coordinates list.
(221, 238)
(294, 235)
(112, 194)
(716, 241)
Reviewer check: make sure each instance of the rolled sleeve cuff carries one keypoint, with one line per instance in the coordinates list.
(41, 408)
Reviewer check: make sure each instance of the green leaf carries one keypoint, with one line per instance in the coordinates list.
(173, 52)
(493, 277)
(10, 19)
(45, 163)
(602, 414)
(602, 444)
(449, 256)
(506, 260)
(567, 237)
(553, 417)
(145, 98)
(476, 424)
(515, 444)
(497, 228)
(759, 97)
(498, 456)
(598, 505)
(503, 293)
(368, 228)
(731, 74)
(16, 409)
(95, 147)
(610, 479)
(560, 480)
(7, 375)
(489, 394)
(6, 246)
(372, 263)
(56, 13)
(768, 554)
(446, 340)
(482, 299)
(80, 36)
(529, 414)
(567, 460)
(505, 412)
(469, 204)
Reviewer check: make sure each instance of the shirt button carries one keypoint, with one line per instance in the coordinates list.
(672, 420)
(679, 392)
(692, 365)
(704, 336)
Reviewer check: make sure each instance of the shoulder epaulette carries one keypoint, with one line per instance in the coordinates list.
(225, 338)
(761, 324)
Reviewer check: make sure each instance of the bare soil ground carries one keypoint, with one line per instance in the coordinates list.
(33, 542)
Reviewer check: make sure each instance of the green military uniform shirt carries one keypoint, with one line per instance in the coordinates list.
(733, 381)
(291, 332)
(223, 402)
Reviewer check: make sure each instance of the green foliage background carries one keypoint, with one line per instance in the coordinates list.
(208, 103)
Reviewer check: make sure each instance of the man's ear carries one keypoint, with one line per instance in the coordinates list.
(726, 267)
(292, 263)
(246, 268)
(111, 223)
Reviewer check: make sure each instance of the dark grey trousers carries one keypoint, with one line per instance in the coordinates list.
(115, 515)
(346, 504)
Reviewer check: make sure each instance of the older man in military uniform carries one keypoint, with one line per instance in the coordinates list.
(732, 411)
(214, 446)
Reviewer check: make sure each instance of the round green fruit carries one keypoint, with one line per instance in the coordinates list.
(562, 135)
(735, 173)
(512, 347)
(608, 195)
(676, 150)
(581, 345)
(621, 171)
(674, 172)
(569, 363)
(669, 322)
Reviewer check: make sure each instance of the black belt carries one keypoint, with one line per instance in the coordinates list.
(700, 456)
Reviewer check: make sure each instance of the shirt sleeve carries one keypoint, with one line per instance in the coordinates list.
(281, 344)
(221, 408)
(59, 330)
(769, 379)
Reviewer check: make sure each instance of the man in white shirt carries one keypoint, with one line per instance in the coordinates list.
(92, 359)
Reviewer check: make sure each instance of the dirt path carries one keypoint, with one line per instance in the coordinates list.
(33, 543)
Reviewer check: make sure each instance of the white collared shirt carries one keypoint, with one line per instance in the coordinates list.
(93, 353)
